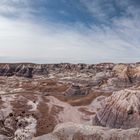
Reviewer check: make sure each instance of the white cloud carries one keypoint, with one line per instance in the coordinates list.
(26, 40)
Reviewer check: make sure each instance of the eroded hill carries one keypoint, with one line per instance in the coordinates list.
(69, 101)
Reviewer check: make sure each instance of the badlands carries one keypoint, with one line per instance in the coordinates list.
(70, 101)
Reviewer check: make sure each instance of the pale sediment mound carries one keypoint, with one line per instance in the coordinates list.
(72, 131)
(120, 110)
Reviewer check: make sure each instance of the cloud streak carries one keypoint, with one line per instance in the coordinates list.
(113, 35)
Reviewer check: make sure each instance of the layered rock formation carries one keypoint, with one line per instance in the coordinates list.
(120, 116)
(22, 70)
(120, 110)
(76, 90)
(37, 99)
(105, 75)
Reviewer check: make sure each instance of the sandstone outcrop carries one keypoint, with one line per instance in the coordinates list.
(24, 72)
(76, 90)
(119, 75)
(120, 110)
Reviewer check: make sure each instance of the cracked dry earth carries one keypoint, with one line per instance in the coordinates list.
(70, 102)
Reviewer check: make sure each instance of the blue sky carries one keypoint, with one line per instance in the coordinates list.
(75, 31)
